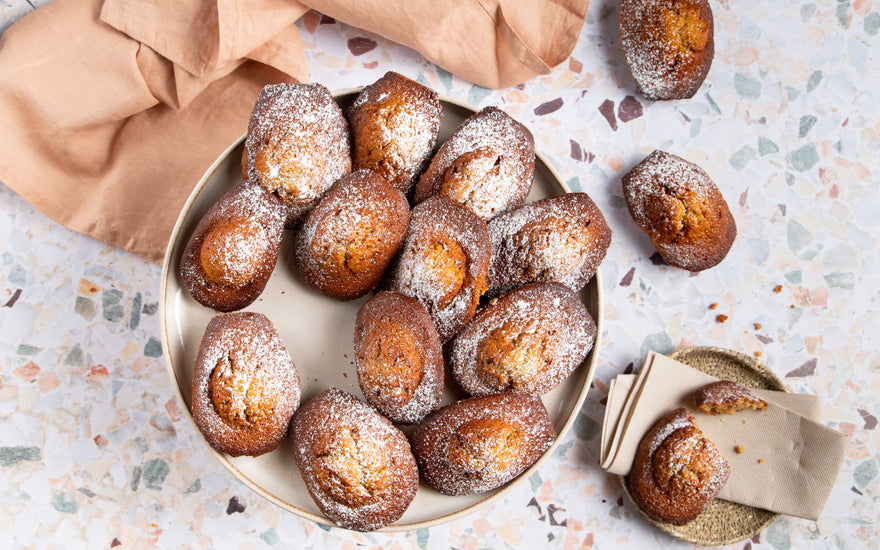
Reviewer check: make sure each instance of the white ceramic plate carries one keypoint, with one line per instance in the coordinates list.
(318, 333)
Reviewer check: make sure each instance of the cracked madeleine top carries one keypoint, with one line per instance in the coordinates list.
(347, 241)
(297, 145)
(481, 443)
(357, 466)
(526, 341)
(394, 126)
(679, 206)
(668, 44)
(676, 470)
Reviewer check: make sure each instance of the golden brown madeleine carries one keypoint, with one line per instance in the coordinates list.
(347, 241)
(676, 471)
(233, 250)
(394, 125)
(481, 443)
(245, 386)
(668, 44)
(357, 466)
(443, 263)
(398, 356)
(487, 165)
(297, 145)
(679, 206)
(526, 341)
(726, 397)
(560, 239)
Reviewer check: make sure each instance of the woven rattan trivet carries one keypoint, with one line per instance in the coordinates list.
(722, 522)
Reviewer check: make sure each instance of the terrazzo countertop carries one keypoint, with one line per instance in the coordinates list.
(96, 452)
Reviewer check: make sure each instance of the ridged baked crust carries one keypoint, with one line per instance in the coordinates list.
(398, 357)
(487, 165)
(481, 443)
(297, 145)
(347, 241)
(394, 126)
(560, 239)
(681, 209)
(357, 466)
(726, 397)
(232, 252)
(676, 470)
(669, 45)
(526, 341)
(443, 263)
(245, 386)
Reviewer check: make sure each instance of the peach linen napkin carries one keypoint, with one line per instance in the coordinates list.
(112, 110)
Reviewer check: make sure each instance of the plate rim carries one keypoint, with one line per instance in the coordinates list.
(590, 364)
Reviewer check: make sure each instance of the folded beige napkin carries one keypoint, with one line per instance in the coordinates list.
(112, 110)
(788, 461)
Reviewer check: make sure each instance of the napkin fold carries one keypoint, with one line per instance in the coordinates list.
(112, 110)
(787, 463)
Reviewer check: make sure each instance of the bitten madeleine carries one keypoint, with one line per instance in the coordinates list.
(394, 125)
(669, 45)
(398, 356)
(726, 397)
(526, 341)
(357, 466)
(233, 250)
(481, 443)
(676, 470)
(297, 145)
(681, 209)
(487, 165)
(347, 241)
(560, 239)
(443, 263)
(245, 387)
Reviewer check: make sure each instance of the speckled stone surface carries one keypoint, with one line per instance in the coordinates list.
(96, 453)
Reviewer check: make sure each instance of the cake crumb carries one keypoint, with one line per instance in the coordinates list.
(759, 353)
(777, 289)
(757, 326)
(740, 449)
(760, 461)
(745, 421)
(713, 305)
(721, 317)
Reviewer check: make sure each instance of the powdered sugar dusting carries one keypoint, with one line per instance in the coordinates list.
(677, 471)
(245, 342)
(394, 316)
(348, 240)
(661, 67)
(727, 397)
(551, 325)
(394, 123)
(441, 220)
(666, 174)
(297, 143)
(481, 443)
(557, 239)
(681, 209)
(338, 440)
(488, 164)
(241, 259)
